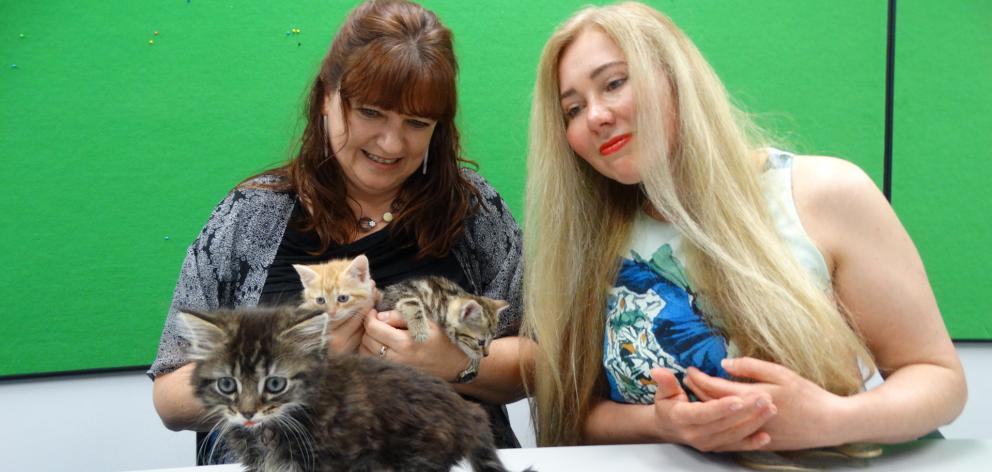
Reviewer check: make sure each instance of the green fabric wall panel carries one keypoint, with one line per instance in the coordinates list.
(116, 150)
(942, 151)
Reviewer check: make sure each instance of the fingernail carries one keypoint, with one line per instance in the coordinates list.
(382, 316)
(727, 363)
(735, 406)
(765, 440)
(772, 410)
(760, 403)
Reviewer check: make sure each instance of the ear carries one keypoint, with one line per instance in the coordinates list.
(359, 269)
(307, 275)
(471, 312)
(308, 333)
(500, 306)
(204, 335)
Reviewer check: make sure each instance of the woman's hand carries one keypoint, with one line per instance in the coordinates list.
(808, 414)
(437, 356)
(728, 423)
(345, 335)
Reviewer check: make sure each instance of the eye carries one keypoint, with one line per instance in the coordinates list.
(418, 124)
(321, 300)
(275, 384)
(572, 111)
(369, 112)
(227, 385)
(343, 298)
(616, 83)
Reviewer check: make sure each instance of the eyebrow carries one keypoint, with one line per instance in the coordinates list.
(595, 72)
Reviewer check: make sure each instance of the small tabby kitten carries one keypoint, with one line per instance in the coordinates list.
(339, 287)
(469, 321)
(287, 405)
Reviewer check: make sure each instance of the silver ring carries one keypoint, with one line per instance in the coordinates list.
(382, 351)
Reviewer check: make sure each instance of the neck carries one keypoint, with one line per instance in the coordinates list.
(370, 205)
(653, 212)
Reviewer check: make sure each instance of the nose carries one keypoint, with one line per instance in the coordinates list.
(391, 141)
(248, 414)
(600, 116)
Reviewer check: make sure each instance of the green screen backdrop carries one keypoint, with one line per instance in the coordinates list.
(122, 123)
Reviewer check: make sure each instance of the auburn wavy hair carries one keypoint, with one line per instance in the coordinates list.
(395, 55)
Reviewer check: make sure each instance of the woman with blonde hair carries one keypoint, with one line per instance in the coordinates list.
(672, 257)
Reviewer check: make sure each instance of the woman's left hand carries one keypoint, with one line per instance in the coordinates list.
(437, 356)
(808, 416)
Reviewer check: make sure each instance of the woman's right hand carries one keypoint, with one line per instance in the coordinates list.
(345, 335)
(730, 423)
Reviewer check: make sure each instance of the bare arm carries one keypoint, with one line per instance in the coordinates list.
(880, 278)
(175, 404)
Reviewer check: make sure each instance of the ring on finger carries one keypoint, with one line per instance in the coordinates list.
(382, 351)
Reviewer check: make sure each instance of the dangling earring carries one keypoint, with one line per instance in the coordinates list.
(426, 155)
(326, 140)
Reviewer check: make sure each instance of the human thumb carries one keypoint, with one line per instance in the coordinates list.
(668, 385)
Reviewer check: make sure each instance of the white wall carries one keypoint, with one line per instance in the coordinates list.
(107, 422)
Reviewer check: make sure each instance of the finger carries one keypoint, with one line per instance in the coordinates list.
(729, 432)
(668, 385)
(705, 413)
(756, 369)
(716, 387)
(700, 393)
(753, 442)
(748, 415)
(392, 318)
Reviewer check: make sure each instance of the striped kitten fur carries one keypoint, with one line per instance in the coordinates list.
(285, 404)
(469, 321)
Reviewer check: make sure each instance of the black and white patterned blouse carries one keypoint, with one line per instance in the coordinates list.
(227, 264)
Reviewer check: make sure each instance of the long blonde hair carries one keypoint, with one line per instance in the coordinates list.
(747, 280)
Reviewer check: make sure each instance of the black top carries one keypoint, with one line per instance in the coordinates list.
(391, 260)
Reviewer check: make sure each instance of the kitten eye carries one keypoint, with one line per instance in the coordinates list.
(227, 385)
(343, 298)
(321, 300)
(275, 384)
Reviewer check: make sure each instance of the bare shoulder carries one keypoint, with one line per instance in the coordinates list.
(836, 200)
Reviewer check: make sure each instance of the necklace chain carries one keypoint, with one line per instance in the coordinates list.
(366, 224)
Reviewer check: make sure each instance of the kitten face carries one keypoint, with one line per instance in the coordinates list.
(244, 374)
(472, 320)
(339, 287)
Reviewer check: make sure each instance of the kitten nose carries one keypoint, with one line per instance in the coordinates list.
(248, 414)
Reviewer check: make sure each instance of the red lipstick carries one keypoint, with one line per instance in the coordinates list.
(614, 144)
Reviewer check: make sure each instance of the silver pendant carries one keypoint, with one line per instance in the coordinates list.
(366, 224)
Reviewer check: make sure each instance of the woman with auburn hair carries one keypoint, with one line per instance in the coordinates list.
(690, 284)
(378, 172)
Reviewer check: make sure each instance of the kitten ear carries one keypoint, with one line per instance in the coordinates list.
(203, 334)
(307, 275)
(307, 333)
(359, 268)
(471, 312)
(500, 306)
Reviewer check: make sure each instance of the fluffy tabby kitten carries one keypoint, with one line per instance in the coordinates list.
(469, 321)
(339, 287)
(286, 405)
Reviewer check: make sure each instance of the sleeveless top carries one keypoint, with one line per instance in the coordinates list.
(652, 317)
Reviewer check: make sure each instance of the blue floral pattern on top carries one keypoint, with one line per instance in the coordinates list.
(652, 321)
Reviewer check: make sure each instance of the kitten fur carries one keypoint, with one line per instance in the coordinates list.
(469, 321)
(339, 287)
(291, 406)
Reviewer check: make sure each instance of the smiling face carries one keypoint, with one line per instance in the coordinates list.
(597, 101)
(378, 149)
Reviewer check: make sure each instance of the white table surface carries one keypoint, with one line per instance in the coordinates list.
(947, 455)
